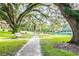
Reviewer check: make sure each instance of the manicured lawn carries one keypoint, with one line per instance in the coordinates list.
(6, 35)
(9, 35)
(10, 47)
(47, 45)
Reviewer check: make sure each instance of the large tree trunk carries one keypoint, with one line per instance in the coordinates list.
(72, 23)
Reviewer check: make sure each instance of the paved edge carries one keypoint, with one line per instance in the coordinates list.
(18, 53)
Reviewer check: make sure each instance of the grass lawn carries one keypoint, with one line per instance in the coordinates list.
(9, 35)
(6, 35)
(47, 45)
(9, 46)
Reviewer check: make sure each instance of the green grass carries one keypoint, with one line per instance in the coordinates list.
(10, 47)
(56, 38)
(9, 35)
(6, 35)
(47, 45)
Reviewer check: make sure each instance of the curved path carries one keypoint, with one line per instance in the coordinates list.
(32, 48)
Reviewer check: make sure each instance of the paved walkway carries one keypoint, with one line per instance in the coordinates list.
(32, 48)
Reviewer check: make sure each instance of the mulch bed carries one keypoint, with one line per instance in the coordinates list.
(67, 46)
